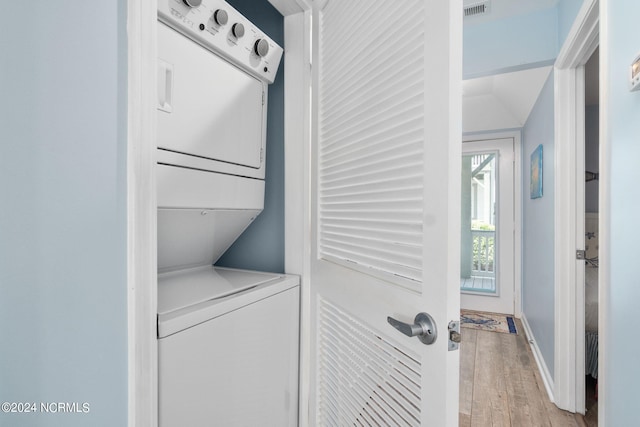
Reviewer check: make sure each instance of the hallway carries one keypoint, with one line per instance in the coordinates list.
(500, 384)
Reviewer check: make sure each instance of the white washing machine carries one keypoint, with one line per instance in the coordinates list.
(228, 348)
(227, 339)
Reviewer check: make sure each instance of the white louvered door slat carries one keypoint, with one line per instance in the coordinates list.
(371, 141)
(384, 210)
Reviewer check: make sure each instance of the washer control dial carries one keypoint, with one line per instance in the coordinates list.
(221, 17)
(192, 3)
(238, 30)
(261, 48)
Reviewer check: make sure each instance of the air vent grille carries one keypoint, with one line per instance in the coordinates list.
(477, 9)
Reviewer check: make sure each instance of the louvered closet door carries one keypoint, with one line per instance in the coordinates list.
(385, 203)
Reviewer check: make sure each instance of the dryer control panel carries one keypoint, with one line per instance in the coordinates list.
(220, 28)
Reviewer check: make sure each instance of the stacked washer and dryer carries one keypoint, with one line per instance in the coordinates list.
(227, 339)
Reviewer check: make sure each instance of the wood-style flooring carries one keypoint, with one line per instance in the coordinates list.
(500, 384)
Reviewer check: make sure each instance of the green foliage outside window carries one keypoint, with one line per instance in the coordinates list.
(484, 247)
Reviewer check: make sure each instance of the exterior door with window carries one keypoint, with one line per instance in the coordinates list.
(487, 280)
(384, 228)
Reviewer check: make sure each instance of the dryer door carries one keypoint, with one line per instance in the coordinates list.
(207, 108)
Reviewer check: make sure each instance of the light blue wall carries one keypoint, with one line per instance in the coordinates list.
(510, 44)
(518, 42)
(621, 109)
(538, 226)
(63, 295)
(592, 156)
(261, 247)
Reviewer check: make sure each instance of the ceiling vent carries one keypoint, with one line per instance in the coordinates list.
(478, 8)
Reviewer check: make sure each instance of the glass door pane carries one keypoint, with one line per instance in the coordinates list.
(478, 226)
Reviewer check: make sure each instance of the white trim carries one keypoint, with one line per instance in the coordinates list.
(290, 7)
(141, 214)
(297, 124)
(583, 38)
(547, 378)
(604, 223)
(565, 316)
(517, 200)
(296, 138)
(569, 207)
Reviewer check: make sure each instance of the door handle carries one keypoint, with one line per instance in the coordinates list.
(165, 86)
(424, 327)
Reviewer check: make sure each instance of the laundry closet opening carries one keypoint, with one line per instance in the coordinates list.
(225, 335)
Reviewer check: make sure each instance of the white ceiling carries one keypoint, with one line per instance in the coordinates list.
(502, 101)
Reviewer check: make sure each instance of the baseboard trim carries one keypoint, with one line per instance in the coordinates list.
(547, 379)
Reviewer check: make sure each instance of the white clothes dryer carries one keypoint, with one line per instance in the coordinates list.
(227, 339)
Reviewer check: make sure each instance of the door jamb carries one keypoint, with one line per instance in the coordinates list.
(297, 145)
(569, 384)
(517, 211)
(141, 214)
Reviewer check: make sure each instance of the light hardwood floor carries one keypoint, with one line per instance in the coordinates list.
(500, 384)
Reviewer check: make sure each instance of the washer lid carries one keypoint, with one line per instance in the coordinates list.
(184, 288)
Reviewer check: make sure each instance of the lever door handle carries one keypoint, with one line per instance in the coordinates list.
(424, 327)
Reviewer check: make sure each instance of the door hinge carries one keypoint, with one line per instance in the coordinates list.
(454, 335)
(581, 254)
(262, 97)
(261, 155)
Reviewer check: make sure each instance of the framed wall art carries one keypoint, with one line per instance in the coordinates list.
(536, 173)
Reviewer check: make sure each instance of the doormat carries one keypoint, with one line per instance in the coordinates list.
(492, 322)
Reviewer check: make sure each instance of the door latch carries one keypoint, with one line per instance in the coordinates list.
(454, 335)
(581, 254)
(424, 327)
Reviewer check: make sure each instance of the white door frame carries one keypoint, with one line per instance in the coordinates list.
(141, 214)
(517, 200)
(297, 183)
(141, 191)
(569, 384)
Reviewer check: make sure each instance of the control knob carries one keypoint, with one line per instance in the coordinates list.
(238, 30)
(221, 17)
(261, 48)
(192, 3)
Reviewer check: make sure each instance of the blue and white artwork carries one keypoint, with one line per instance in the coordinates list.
(536, 173)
